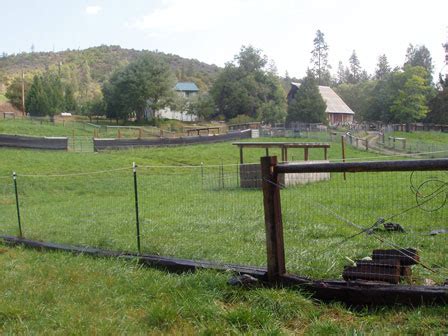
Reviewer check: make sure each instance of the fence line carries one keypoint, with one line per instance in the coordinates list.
(203, 212)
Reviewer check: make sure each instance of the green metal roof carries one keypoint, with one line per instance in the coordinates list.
(186, 86)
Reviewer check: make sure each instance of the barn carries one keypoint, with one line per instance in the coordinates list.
(337, 110)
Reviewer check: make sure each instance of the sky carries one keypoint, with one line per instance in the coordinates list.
(214, 31)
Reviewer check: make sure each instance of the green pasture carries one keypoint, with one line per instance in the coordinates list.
(194, 210)
(422, 142)
(428, 137)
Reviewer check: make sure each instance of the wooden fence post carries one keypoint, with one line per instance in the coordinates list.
(343, 152)
(273, 219)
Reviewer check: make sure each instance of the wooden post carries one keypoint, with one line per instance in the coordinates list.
(273, 219)
(305, 154)
(241, 154)
(343, 152)
(140, 133)
(325, 153)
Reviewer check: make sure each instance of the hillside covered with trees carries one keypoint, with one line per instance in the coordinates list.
(102, 62)
(123, 84)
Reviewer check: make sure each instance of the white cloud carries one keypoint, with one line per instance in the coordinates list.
(93, 10)
(178, 16)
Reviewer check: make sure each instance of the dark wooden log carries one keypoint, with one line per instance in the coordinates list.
(387, 270)
(406, 273)
(407, 257)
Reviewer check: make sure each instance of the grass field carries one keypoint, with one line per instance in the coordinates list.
(423, 142)
(188, 212)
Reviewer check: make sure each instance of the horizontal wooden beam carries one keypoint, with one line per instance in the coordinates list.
(358, 167)
(281, 144)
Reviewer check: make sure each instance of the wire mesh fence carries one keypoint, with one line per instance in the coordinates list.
(215, 212)
(406, 144)
(194, 212)
(333, 227)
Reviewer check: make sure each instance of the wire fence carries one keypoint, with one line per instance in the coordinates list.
(195, 212)
(215, 212)
(333, 228)
(409, 145)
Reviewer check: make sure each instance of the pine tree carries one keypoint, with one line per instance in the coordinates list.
(382, 68)
(36, 99)
(420, 56)
(341, 74)
(319, 59)
(307, 106)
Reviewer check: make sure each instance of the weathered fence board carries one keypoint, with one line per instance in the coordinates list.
(19, 141)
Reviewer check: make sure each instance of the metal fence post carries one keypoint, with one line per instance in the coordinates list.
(273, 219)
(14, 177)
(202, 175)
(137, 219)
(222, 174)
(237, 175)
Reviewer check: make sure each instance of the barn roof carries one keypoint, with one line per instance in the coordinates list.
(186, 86)
(335, 104)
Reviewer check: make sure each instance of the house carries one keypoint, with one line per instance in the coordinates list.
(187, 89)
(184, 89)
(337, 111)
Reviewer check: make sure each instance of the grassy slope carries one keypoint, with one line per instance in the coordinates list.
(54, 292)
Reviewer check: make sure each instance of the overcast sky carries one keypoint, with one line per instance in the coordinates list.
(213, 31)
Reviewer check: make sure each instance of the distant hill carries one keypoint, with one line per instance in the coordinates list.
(103, 60)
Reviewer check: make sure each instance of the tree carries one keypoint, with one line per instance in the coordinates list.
(202, 106)
(342, 74)
(411, 105)
(250, 60)
(247, 87)
(354, 75)
(382, 68)
(319, 59)
(438, 105)
(419, 56)
(307, 106)
(14, 90)
(48, 95)
(358, 97)
(145, 83)
(96, 107)
(37, 103)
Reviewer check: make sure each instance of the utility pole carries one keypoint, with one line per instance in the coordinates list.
(23, 93)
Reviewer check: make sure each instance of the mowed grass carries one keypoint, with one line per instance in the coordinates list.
(423, 142)
(194, 213)
(428, 137)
